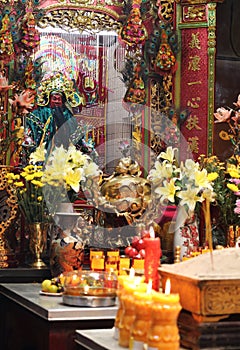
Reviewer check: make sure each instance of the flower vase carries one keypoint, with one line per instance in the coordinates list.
(38, 242)
(67, 244)
(186, 233)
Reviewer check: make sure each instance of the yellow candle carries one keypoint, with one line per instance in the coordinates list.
(138, 264)
(97, 263)
(186, 258)
(166, 299)
(126, 284)
(111, 264)
(205, 250)
(164, 334)
(94, 252)
(142, 322)
(129, 312)
(193, 254)
(124, 264)
(114, 252)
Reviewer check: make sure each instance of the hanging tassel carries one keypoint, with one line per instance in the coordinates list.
(165, 60)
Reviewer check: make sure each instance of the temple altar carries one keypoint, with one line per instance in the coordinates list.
(132, 84)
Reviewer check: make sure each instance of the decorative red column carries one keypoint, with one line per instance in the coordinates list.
(196, 21)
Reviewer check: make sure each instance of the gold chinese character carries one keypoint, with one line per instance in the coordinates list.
(193, 144)
(194, 63)
(193, 123)
(194, 102)
(195, 42)
(194, 83)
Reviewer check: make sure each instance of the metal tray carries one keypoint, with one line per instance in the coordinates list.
(88, 301)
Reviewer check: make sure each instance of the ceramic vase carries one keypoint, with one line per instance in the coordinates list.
(67, 245)
(186, 233)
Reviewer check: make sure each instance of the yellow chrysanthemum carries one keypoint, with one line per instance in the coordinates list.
(232, 187)
(19, 184)
(29, 177)
(212, 176)
(37, 183)
(38, 174)
(234, 174)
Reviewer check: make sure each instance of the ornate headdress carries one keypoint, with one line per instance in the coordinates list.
(59, 83)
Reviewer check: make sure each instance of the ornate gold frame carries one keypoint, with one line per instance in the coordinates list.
(8, 215)
(82, 15)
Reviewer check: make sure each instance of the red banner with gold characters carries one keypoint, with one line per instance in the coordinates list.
(194, 90)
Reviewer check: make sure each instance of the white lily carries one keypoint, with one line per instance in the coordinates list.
(168, 191)
(190, 197)
(169, 154)
(38, 155)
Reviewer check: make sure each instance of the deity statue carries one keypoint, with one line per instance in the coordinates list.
(53, 122)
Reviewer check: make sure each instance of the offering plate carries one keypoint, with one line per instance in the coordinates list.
(88, 301)
(208, 285)
(90, 288)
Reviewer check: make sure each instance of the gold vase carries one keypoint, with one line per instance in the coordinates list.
(38, 242)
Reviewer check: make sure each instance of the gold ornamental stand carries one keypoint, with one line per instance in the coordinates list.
(8, 213)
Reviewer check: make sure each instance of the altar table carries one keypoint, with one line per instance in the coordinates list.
(96, 339)
(30, 321)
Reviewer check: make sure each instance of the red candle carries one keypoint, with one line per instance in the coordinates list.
(152, 259)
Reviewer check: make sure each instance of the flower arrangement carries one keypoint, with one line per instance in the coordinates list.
(230, 206)
(186, 185)
(231, 117)
(42, 184)
(233, 170)
(224, 187)
(64, 171)
(29, 190)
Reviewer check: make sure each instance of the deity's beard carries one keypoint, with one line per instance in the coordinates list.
(63, 127)
(58, 115)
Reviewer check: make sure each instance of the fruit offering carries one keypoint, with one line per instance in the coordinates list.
(137, 247)
(90, 283)
(52, 286)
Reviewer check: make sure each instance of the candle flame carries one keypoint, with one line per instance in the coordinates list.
(132, 272)
(74, 277)
(168, 286)
(149, 286)
(151, 232)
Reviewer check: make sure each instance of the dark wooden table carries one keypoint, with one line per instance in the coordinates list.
(24, 274)
(30, 321)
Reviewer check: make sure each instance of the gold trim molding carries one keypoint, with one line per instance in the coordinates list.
(86, 17)
(166, 10)
(197, 2)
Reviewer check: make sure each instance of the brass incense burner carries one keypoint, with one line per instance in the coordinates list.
(208, 285)
(126, 192)
(123, 201)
